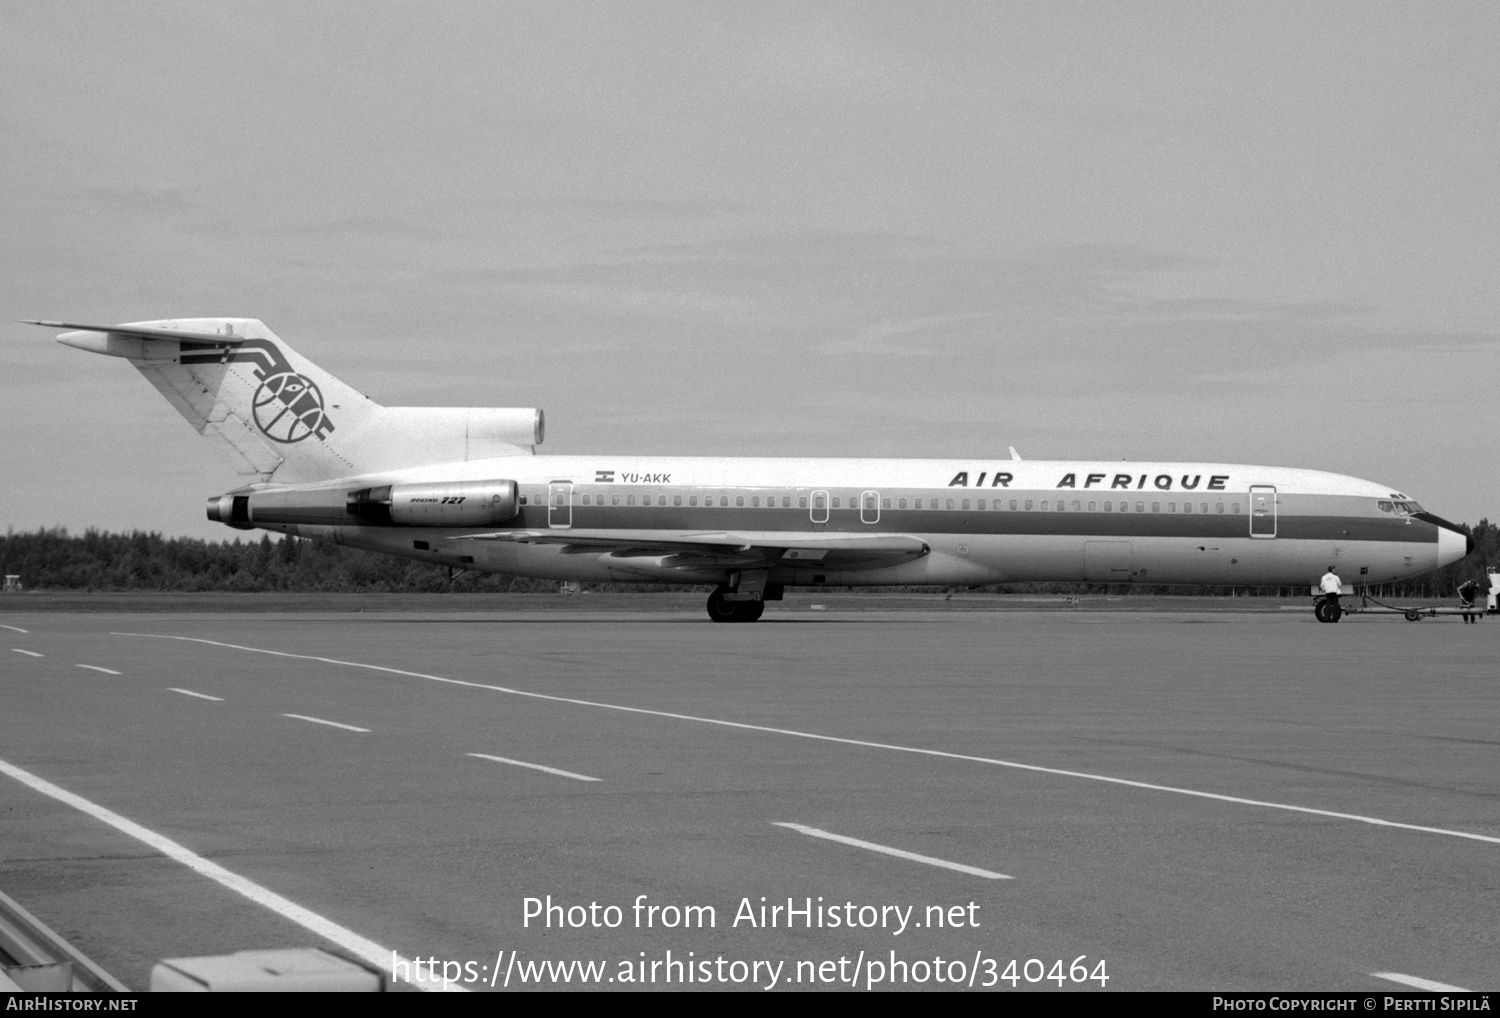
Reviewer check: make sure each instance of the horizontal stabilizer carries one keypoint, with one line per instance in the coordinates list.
(145, 332)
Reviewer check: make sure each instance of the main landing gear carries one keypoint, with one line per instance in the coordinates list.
(721, 609)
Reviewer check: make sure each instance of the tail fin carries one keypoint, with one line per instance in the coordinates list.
(279, 417)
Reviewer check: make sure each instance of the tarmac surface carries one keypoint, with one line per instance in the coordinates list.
(1230, 797)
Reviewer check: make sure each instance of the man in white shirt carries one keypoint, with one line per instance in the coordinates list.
(1331, 586)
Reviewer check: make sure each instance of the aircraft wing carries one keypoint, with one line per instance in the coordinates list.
(741, 549)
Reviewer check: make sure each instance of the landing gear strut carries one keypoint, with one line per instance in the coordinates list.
(720, 609)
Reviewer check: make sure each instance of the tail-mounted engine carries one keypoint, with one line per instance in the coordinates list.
(433, 504)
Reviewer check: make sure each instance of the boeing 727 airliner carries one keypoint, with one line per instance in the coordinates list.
(463, 487)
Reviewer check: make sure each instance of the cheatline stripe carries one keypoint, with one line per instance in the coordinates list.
(992, 761)
(367, 950)
(1419, 983)
(899, 853)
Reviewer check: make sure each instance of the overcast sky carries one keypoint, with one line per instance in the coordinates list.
(1255, 232)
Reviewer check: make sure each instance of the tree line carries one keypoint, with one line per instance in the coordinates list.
(53, 559)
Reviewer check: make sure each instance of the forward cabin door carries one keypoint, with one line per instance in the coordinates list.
(560, 504)
(1262, 510)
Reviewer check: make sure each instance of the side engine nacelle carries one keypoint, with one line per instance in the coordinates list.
(431, 504)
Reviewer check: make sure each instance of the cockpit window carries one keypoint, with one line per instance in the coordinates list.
(1386, 507)
(1407, 508)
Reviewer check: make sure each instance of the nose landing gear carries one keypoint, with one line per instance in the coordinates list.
(1327, 610)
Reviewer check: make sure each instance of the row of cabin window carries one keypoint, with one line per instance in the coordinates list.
(1061, 505)
(1013, 505)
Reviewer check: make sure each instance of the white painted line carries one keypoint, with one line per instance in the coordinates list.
(15, 629)
(1419, 983)
(320, 721)
(96, 668)
(201, 696)
(367, 950)
(899, 853)
(28, 653)
(535, 767)
(917, 750)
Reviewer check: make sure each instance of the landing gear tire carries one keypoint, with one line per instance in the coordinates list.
(1327, 611)
(1413, 617)
(721, 610)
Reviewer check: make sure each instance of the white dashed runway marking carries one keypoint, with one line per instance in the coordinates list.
(1419, 983)
(320, 721)
(96, 668)
(899, 853)
(201, 696)
(28, 653)
(535, 767)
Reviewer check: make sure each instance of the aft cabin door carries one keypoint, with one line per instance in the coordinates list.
(560, 504)
(1262, 510)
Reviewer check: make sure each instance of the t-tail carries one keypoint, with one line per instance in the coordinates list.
(281, 419)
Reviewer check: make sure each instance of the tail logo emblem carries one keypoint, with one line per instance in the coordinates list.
(288, 407)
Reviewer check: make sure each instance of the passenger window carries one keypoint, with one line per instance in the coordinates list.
(739, 501)
(1061, 505)
(1235, 508)
(1140, 507)
(677, 500)
(965, 504)
(1156, 507)
(1171, 507)
(1203, 507)
(1028, 505)
(614, 500)
(950, 503)
(901, 503)
(786, 501)
(1109, 507)
(1046, 505)
(755, 501)
(723, 501)
(980, 505)
(885, 503)
(692, 500)
(1077, 506)
(1013, 505)
(523, 499)
(1093, 505)
(630, 500)
(1187, 507)
(1219, 507)
(802, 502)
(835, 501)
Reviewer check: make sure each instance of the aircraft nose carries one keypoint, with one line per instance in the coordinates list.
(1453, 542)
